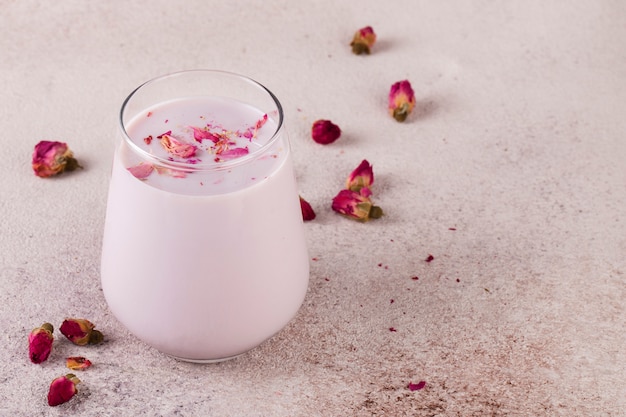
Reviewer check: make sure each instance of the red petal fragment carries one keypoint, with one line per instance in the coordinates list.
(416, 387)
(307, 212)
(77, 363)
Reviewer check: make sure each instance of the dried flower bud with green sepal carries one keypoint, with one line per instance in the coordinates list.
(363, 41)
(40, 343)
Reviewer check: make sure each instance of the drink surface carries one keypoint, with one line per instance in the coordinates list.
(199, 140)
(205, 271)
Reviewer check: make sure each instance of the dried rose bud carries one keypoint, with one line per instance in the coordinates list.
(325, 132)
(307, 210)
(40, 343)
(81, 332)
(356, 206)
(51, 158)
(62, 389)
(178, 148)
(401, 100)
(361, 177)
(363, 40)
(77, 363)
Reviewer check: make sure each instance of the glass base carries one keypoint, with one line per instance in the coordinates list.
(203, 361)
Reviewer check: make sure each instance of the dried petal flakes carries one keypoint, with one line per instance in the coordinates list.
(40, 343)
(62, 389)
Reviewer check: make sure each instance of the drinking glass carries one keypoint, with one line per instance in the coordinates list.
(204, 254)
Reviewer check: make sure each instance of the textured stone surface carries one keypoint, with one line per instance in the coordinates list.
(517, 143)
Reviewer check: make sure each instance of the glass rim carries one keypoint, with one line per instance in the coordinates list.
(187, 166)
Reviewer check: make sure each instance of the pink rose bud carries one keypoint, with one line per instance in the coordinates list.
(361, 177)
(307, 210)
(62, 389)
(77, 363)
(401, 100)
(356, 206)
(177, 148)
(40, 343)
(81, 332)
(363, 40)
(325, 132)
(51, 158)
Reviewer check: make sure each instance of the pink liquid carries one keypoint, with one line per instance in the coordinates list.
(207, 266)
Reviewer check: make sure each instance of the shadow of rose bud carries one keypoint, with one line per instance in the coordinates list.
(81, 332)
(325, 132)
(363, 41)
(62, 389)
(51, 158)
(40, 343)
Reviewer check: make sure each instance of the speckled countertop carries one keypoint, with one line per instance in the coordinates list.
(510, 173)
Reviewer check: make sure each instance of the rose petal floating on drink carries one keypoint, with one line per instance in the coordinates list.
(363, 40)
(62, 389)
(325, 132)
(178, 148)
(401, 100)
(52, 158)
(307, 210)
(81, 332)
(356, 206)
(40, 343)
(361, 177)
(77, 363)
(201, 134)
(232, 153)
(141, 171)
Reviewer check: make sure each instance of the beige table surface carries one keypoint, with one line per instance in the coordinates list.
(518, 142)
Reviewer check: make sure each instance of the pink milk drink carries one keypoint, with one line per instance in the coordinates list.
(204, 255)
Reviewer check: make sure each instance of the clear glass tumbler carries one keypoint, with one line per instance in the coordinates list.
(204, 255)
